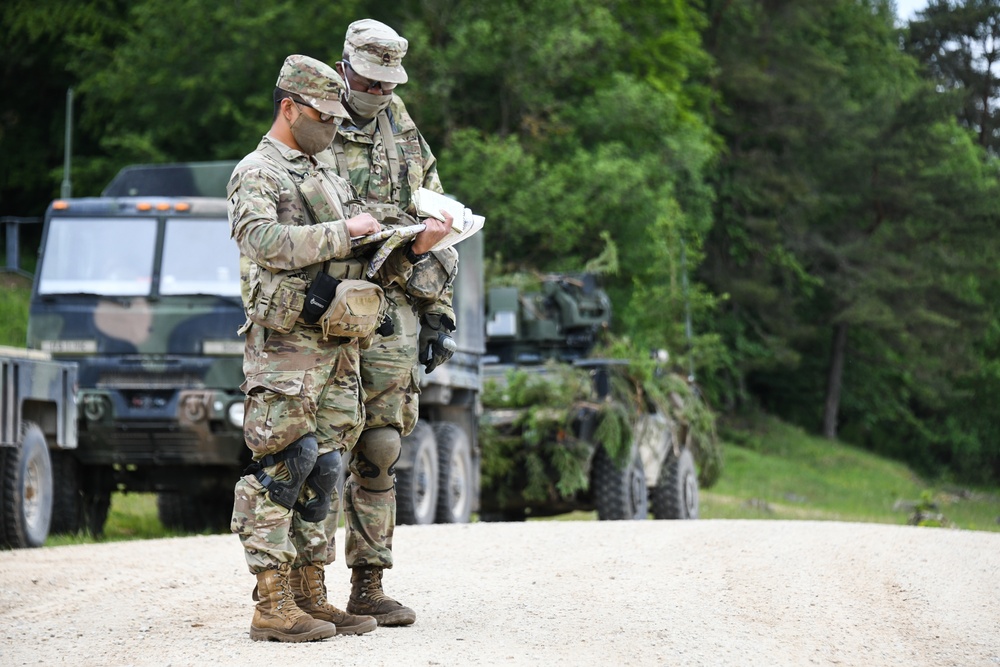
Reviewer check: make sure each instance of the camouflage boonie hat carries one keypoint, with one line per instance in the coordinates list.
(375, 51)
(315, 82)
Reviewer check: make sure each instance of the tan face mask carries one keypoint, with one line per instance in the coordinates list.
(368, 105)
(311, 135)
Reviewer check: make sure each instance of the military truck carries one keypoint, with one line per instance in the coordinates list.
(140, 287)
(562, 431)
(37, 438)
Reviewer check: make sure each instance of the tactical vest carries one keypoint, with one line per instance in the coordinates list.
(275, 299)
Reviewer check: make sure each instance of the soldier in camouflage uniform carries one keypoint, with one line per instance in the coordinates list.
(385, 157)
(293, 219)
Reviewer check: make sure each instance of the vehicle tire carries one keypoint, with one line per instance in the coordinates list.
(95, 511)
(416, 484)
(67, 503)
(208, 511)
(455, 484)
(619, 494)
(675, 495)
(26, 498)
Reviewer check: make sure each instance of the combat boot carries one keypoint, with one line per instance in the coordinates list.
(368, 598)
(276, 618)
(309, 587)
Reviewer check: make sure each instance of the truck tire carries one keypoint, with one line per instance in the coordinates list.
(675, 495)
(26, 495)
(455, 488)
(619, 494)
(417, 482)
(67, 503)
(208, 511)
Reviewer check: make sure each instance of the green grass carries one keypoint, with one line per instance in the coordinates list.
(15, 295)
(779, 472)
(132, 516)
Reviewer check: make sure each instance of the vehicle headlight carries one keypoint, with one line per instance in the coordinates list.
(235, 414)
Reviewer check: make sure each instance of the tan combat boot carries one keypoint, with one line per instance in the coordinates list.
(367, 598)
(276, 617)
(309, 587)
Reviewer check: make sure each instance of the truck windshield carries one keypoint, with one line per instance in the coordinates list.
(110, 257)
(199, 258)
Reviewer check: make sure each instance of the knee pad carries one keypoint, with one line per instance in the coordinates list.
(374, 458)
(321, 481)
(299, 458)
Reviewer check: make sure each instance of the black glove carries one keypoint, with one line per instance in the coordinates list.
(436, 344)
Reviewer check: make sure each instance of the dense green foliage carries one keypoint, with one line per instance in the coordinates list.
(810, 185)
(537, 449)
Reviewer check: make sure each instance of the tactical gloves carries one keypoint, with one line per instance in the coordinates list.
(436, 344)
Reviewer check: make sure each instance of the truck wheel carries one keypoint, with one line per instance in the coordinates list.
(209, 511)
(619, 494)
(454, 503)
(675, 495)
(67, 504)
(26, 497)
(416, 484)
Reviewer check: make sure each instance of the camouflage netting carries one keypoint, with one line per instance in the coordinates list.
(536, 450)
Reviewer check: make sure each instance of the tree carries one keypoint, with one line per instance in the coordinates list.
(959, 44)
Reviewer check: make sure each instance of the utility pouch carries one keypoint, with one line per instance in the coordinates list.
(279, 303)
(319, 296)
(357, 309)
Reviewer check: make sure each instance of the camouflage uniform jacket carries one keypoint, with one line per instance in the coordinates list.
(367, 166)
(272, 224)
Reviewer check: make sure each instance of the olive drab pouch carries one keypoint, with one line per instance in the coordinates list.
(323, 197)
(357, 310)
(278, 301)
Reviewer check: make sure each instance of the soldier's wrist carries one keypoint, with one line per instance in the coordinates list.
(413, 257)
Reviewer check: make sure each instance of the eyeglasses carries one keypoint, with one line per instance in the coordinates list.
(368, 84)
(323, 117)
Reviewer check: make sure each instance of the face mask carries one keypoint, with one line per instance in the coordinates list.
(311, 135)
(368, 105)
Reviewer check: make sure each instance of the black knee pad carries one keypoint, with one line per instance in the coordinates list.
(374, 458)
(322, 480)
(299, 458)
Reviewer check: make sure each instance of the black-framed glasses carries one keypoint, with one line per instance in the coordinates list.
(368, 84)
(323, 117)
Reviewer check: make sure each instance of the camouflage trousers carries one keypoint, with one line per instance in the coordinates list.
(296, 384)
(390, 382)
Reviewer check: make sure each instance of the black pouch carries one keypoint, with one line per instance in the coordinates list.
(319, 296)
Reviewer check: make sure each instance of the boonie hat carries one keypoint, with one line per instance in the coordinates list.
(315, 82)
(375, 51)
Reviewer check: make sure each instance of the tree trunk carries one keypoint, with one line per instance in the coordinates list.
(835, 381)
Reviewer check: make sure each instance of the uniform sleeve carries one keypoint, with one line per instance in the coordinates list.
(253, 215)
(431, 283)
(431, 179)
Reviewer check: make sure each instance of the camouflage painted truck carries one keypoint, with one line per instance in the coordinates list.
(140, 287)
(37, 427)
(563, 432)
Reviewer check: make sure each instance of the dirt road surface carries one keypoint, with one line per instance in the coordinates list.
(540, 593)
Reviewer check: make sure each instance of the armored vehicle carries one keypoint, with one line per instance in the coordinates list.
(564, 432)
(37, 437)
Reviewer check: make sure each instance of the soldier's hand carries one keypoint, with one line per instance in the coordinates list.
(362, 225)
(436, 344)
(434, 232)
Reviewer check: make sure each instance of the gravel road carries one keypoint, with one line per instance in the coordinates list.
(713, 592)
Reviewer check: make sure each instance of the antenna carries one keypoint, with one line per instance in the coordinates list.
(67, 187)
